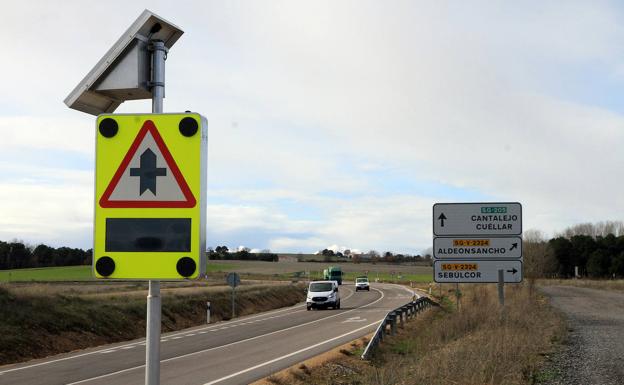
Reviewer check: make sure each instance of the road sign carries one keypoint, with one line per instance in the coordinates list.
(233, 279)
(484, 247)
(476, 271)
(494, 218)
(141, 182)
(150, 188)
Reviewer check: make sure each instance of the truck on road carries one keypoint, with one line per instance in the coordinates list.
(333, 273)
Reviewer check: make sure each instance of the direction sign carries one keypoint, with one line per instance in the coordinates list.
(477, 247)
(149, 203)
(476, 271)
(493, 218)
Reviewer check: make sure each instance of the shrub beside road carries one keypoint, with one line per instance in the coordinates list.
(38, 320)
(475, 345)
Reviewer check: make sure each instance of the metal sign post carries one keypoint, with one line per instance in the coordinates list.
(501, 288)
(233, 279)
(154, 304)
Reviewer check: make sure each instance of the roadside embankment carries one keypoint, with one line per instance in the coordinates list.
(42, 320)
(474, 345)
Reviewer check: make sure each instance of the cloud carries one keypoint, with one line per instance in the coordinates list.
(317, 110)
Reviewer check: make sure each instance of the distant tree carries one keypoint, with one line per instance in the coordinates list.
(582, 246)
(43, 256)
(562, 251)
(539, 260)
(221, 249)
(19, 255)
(4, 255)
(617, 266)
(598, 264)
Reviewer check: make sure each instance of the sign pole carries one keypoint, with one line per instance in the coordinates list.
(154, 305)
(233, 301)
(501, 290)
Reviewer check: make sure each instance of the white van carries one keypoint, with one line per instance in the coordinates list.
(323, 294)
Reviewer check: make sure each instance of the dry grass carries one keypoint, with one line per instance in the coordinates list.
(38, 320)
(610, 284)
(477, 345)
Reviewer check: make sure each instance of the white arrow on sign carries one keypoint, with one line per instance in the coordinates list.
(494, 218)
(476, 271)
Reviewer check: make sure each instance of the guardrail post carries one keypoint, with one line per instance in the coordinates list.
(393, 323)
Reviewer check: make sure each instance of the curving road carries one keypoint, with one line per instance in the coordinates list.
(233, 352)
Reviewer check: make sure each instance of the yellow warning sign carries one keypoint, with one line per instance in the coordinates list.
(150, 178)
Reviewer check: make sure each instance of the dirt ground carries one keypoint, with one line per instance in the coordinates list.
(593, 353)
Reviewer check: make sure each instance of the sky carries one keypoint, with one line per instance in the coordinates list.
(332, 122)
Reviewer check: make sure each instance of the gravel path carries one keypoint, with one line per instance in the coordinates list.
(594, 351)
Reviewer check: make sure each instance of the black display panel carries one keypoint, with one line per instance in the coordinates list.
(148, 234)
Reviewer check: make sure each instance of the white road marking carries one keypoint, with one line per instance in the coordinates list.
(354, 319)
(241, 341)
(143, 343)
(290, 354)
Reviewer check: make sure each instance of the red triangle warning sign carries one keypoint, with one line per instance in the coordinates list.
(148, 176)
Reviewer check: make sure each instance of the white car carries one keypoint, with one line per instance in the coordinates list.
(323, 294)
(361, 283)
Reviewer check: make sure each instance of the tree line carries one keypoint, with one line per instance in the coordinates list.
(592, 250)
(245, 254)
(17, 255)
(372, 256)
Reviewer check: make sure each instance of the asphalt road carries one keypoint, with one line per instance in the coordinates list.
(594, 352)
(234, 352)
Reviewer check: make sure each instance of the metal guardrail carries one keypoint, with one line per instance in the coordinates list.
(400, 314)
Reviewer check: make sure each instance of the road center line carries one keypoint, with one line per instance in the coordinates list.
(236, 342)
(290, 354)
(142, 341)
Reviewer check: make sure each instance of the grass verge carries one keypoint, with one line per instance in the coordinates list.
(475, 345)
(36, 323)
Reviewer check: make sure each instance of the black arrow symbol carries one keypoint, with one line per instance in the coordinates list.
(513, 271)
(442, 217)
(514, 246)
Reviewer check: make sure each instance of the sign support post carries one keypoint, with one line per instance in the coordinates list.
(154, 304)
(233, 302)
(233, 279)
(501, 287)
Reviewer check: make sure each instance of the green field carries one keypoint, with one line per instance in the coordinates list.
(247, 269)
(74, 273)
(66, 273)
